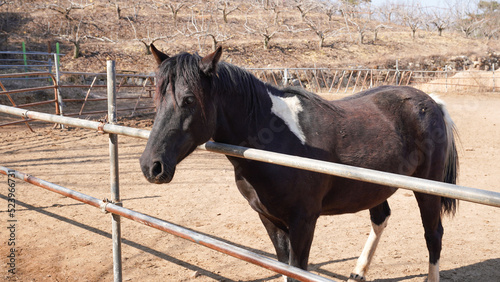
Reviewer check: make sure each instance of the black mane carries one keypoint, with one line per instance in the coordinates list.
(229, 80)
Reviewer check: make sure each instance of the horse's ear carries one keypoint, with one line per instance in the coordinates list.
(159, 56)
(208, 64)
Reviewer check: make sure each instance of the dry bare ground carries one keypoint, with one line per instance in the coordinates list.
(59, 239)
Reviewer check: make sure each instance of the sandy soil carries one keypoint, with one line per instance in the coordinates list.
(60, 239)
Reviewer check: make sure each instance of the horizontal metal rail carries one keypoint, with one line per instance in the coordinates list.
(104, 74)
(30, 53)
(94, 125)
(464, 193)
(171, 228)
(28, 89)
(474, 195)
(28, 74)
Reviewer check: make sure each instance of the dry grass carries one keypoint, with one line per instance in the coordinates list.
(286, 49)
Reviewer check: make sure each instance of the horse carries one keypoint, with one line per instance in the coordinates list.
(395, 129)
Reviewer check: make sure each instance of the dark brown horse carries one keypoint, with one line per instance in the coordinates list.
(394, 129)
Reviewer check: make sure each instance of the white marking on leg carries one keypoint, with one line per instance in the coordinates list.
(285, 278)
(366, 256)
(288, 109)
(433, 272)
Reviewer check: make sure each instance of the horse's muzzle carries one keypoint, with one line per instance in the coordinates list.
(157, 172)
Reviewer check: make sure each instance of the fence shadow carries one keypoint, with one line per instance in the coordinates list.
(159, 254)
(488, 270)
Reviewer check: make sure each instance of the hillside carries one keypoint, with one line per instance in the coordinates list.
(121, 30)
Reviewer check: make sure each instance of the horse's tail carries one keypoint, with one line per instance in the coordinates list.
(449, 205)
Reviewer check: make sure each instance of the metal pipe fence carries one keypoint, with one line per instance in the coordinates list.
(394, 180)
(368, 175)
(426, 186)
(27, 61)
(421, 185)
(179, 231)
(136, 87)
(352, 80)
(137, 100)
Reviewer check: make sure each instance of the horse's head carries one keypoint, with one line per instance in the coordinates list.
(185, 112)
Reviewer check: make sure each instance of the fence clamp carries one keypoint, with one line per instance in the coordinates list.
(104, 203)
(100, 127)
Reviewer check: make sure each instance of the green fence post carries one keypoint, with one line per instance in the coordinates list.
(24, 58)
(57, 51)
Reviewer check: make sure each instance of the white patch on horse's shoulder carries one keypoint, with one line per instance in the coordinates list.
(288, 109)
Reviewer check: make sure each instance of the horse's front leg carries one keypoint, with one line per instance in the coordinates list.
(301, 232)
(279, 237)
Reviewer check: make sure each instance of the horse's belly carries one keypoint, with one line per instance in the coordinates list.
(350, 196)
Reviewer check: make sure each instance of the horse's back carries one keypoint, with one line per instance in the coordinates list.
(383, 125)
(387, 129)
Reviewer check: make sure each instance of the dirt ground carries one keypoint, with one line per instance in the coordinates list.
(60, 239)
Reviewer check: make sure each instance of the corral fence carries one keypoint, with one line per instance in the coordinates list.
(84, 94)
(134, 93)
(114, 206)
(352, 80)
(26, 61)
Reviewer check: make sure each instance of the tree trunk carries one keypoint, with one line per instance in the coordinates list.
(76, 49)
(214, 43)
(361, 37)
(224, 14)
(118, 11)
(175, 17)
(321, 42)
(147, 50)
(266, 42)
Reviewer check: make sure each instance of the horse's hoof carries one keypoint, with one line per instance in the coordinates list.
(356, 278)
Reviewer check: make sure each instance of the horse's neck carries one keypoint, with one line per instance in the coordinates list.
(243, 111)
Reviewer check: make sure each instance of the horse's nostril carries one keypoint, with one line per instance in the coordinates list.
(156, 169)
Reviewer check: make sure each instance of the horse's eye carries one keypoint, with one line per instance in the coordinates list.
(189, 100)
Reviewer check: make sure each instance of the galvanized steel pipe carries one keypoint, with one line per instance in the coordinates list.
(94, 125)
(114, 172)
(368, 175)
(171, 228)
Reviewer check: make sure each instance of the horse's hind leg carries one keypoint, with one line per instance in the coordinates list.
(379, 216)
(430, 211)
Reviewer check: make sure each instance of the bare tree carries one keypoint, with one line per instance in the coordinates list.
(76, 25)
(118, 10)
(202, 27)
(377, 29)
(304, 7)
(361, 26)
(226, 8)
(466, 17)
(388, 10)
(441, 20)
(263, 24)
(65, 11)
(148, 39)
(329, 8)
(323, 29)
(490, 11)
(412, 17)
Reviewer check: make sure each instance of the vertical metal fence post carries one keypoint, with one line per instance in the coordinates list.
(59, 97)
(113, 157)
